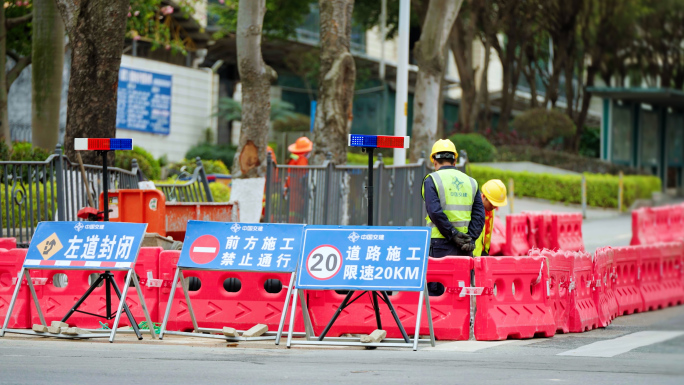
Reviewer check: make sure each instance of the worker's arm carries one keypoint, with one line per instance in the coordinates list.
(477, 217)
(434, 210)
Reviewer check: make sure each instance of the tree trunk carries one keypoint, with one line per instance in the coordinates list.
(429, 53)
(336, 82)
(4, 118)
(482, 92)
(256, 77)
(96, 31)
(461, 44)
(46, 73)
(581, 116)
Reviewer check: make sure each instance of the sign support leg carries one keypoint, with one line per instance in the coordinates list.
(11, 304)
(281, 325)
(92, 287)
(418, 317)
(428, 310)
(396, 317)
(308, 325)
(131, 319)
(150, 324)
(292, 318)
(34, 296)
(122, 301)
(337, 314)
(184, 285)
(376, 308)
(168, 305)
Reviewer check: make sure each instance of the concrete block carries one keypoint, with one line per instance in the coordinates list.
(74, 331)
(59, 324)
(377, 336)
(256, 331)
(230, 332)
(54, 329)
(39, 328)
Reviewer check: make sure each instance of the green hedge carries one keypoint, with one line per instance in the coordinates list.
(27, 206)
(602, 189)
(149, 166)
(477, 146)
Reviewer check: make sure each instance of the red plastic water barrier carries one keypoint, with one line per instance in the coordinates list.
(138, 206)
(498, 238)
(516, 235)
(604, 278)
(627, 283)
(10, 265)
(672, 273)
(450, 311)
(539, 223)
(651, 277)
(566, 232)
(644, 230)
(57, 301)
(179, 213)
(583, 312)
(515, 301)
(8, 243)
(215, 307)
(561, 285)
(676, 230)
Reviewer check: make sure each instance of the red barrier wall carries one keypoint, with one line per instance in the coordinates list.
(518, 306)
(498, 242)
(561, 286)
(604, 277)
(644, 230)
(583, 313)
(651, 278)
(566, 232)
(627, 288)
(516, 235)
(8, 243)
(10, 265)
(450, 311)
(672, 273)
(215, 307)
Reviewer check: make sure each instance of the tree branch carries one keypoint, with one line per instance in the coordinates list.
(69, 9)
(13, 74)
(17, 21)
(13, 55)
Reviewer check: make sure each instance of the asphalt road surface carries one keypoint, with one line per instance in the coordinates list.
(644, 348)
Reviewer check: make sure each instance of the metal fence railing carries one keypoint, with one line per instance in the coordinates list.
(31, 192)
(336, 195)
(194, 189)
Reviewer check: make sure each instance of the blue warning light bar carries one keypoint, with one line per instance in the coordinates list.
(102, 144)
(379, 141)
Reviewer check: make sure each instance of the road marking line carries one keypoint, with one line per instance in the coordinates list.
(199, 249)
(467, 346)
(620, 345)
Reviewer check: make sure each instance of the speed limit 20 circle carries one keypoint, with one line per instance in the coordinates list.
(324, 262)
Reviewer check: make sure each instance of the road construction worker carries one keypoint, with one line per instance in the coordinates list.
(493, 197)
(454, 207)
(299, 152)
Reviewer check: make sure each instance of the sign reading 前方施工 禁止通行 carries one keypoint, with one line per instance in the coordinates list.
(85, 245)
(364, 258)
(241, 246)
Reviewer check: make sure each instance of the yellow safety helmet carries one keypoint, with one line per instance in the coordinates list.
(443, 145)
(495, 192)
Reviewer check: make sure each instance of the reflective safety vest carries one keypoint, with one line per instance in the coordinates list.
(456, 192)
(485, 240)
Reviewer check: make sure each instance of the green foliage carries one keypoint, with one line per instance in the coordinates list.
(220, 192)
(294, 123)
(18, 38)
(602, 190)
(280, 21)
(477, 146)
(146, 162)
(23, 151)
(590, 142)
(541, 126)
(150, 21)
(20, 214)
(231, 109)
(210, 167)
(564, 160)
(224, 153)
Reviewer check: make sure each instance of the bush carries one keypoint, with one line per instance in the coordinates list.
(210, 167)
(477, 146)
(23, 151)
(564, 160)
(146, 162)
(602, 190)
(541, 126)
(220, 192)
(22, 214)
(224, 153)
(295, 123)
(590, 142)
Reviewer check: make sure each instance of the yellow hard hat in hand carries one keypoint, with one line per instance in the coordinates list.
(443, 145)
(495, 192)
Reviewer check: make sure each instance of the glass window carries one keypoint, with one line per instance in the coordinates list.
(675, 137)
(622, 134)
(649, 138)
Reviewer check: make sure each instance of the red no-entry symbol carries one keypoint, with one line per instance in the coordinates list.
(204, 249)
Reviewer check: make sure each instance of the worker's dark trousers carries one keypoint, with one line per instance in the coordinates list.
(440, 248)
